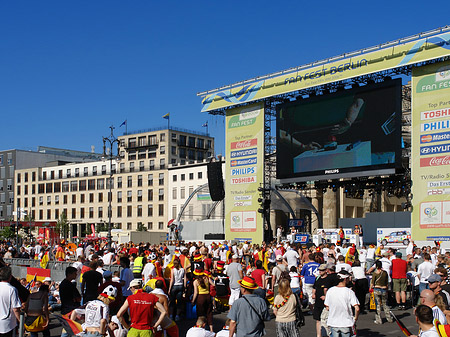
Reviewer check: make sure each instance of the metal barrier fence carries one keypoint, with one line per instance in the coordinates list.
(57, 268)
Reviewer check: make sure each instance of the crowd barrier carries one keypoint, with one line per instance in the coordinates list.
(57, 268)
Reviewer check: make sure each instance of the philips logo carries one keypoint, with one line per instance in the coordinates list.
(331, 171)
(243, 171)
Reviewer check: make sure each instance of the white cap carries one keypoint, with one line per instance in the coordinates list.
(235, 256)
(279, 257)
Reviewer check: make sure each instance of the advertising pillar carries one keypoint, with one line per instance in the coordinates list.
(431, 152)
(244, 173)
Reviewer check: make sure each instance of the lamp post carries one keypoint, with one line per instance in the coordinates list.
(110, 141)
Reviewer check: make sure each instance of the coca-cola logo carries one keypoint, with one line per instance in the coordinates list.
(435, 161)
(244, 144)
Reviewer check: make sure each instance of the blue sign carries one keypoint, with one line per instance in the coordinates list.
(296, 223)
(301, 238)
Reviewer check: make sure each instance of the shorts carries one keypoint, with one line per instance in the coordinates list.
(309, 291)
(317, 312)
(139, 333)
(235, 293)
(399, 284)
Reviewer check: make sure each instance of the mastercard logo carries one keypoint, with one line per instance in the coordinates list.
(426, 139)
(234, 163)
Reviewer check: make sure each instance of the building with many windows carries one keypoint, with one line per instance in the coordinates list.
(12, 160)
(139, 183)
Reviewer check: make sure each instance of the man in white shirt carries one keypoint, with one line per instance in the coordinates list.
(79, 251)
(424, 271)
(108, 257)
(339, 301)
(9, 303)
(341, 265)
(149, 270)
(427, 297)
(199, 329)
(291, 256)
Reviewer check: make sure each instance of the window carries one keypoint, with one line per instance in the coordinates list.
(191, 154)
(142, 154)
(18, 178)
(73, 186)
(182, 193)
(33, 189)
(91, 212)
(33, 202)
(103, 169)
(132, 155)
(56, 213)
(174, 178)
(2, 198)
(82, 213)
(100, 197)
(122, 167)
(109, 182)
(119, 211)
(49, 214)
(162, 137)
(49, 200)
(119, 182)
(162, 150)
(33, 176)
(1, 185)
(174, 193)
(182, 140)
(100, 212)
(141, 165)
(48, 188)
(65, 186)
(82, 185)
(200, 143)
(182, 152)
(44, 174)
(150, 210)
(150, 195)
(100, 184)
(77, 172)
(191, 190)
(130, 181)
(9, 184)
(152, 153)
(129, 211)
(160, 225)
(52, 174)
(74, 213)
(129, 226)
(161, 178)
(64, 199)
(91, 184)
(191, 176)
(85, 171)
(209, 144)
(94, 170)
(82, 198)
(174, 137)
(41, 188)
(200, 155)
(119, 196)
(25, 202)
(183, 177)
(150, 225)
(91, 197)
(139, 210)
(162, 163)
(139, 195)
(174, 212)
(174, 150)
(113, 168)
(191, 141)
(161, 194)
(139, 180)
(57, 187)
(152, 140)
(56, 199)
(130, 196)
(161, 210)
(74, 199)
(141, 141)
(131, 167)
(150, 180)
(200, 175)
(152, 164)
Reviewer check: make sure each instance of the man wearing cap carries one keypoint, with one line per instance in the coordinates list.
(141, 307)
(234, 272)
(435, 281)
(249, 312)
(399, 279)
(320, 289)
(339, 300)
(276, 273)
(114, 306)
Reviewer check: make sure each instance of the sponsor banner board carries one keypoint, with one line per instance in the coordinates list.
(371, 60)
(244, 172)
(394, 237)
(430, 216)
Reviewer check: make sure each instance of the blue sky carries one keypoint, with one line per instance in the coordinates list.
(69, 69)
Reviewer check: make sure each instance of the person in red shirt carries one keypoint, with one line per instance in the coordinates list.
(258, 274)
(399, 268)
(141, 307)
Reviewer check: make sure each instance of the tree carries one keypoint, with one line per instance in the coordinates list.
(62, 226)
(141, 227)
(7, 233)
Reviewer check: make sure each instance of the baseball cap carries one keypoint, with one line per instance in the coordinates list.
(343, 274)
(398, 254)
(135, 283)
(279, 258)
(323, 266)
(235, 256)
(434, 278)
(47, 279)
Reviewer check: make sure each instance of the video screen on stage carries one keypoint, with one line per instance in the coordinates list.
(349, 133)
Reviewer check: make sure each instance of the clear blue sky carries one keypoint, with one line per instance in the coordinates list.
(69, 69)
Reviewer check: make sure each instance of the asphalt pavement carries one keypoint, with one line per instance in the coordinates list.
(365, 325)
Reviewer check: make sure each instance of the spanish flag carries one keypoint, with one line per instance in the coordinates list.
(44, 260)
(37, 274)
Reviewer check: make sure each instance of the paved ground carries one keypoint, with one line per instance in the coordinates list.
(365, 325)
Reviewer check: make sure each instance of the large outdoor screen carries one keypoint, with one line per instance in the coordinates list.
(355, 132)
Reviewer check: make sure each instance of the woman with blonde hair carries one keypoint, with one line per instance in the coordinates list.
(201, 296)
(284, 308)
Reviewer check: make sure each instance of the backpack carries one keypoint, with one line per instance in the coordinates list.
(284, 274)
(299, 316)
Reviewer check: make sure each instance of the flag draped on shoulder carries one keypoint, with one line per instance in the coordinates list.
(44, 260)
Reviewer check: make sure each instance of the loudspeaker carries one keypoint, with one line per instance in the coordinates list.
(212, 236)
(215, 181)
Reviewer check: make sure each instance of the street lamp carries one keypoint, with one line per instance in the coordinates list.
(111, 140)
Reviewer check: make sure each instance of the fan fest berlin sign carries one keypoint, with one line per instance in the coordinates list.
(244, 172)
(431, 152)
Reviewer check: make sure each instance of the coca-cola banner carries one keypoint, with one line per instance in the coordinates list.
(431, 152)
(244, 173)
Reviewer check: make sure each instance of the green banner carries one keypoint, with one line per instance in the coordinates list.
(244, 173)
(431, 152)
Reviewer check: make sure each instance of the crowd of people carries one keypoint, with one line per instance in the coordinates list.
(160, 285)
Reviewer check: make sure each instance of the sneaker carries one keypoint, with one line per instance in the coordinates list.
(377, 322)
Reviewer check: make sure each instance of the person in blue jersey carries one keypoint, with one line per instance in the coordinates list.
(309, 274)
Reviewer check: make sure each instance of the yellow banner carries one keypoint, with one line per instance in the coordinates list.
(244, 173)
(358, 64)
(431, 152)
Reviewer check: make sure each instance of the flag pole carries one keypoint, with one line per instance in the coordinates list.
(126, 126)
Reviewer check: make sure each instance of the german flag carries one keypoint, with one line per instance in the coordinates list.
(72, 328)
(401, 325)
(44, 260)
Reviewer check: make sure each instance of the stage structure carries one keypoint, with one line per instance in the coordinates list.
(332, 129)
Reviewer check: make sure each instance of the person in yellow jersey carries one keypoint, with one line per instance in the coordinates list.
(138, 266)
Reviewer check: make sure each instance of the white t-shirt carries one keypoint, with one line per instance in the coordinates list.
(291, 257)
(370, 254)
(79, 251)
(148, 272)
(95, 311)
(439, 315)
(429, 333)
(199, 332)
(425, 270)
(295, 280)
(340, 301)
(224, 333)
(9, 300)
(107, 258)
(362, 255)
(343, 266)
(358, 273)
